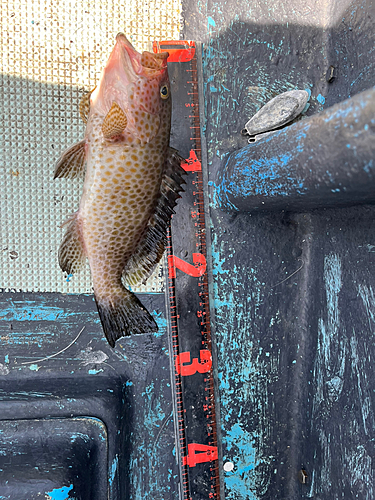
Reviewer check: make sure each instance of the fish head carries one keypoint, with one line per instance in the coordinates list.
(134, 92)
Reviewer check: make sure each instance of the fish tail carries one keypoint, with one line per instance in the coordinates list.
(124, 315)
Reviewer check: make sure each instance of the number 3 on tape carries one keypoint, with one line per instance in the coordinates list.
(202, 366)
(206, 454)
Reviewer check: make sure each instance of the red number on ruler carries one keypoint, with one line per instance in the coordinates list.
(192, 163)
(179, 50)
(207, 454)
(202, 366)
(196, 271)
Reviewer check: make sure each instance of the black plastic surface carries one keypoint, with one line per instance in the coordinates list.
(44, 456)
(56, 385)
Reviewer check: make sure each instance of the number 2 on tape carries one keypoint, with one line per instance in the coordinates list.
(196, 270)
(202, 366)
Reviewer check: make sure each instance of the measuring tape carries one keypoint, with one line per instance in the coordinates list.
(188, 292)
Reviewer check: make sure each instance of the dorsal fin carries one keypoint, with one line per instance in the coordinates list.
(154, 239)
(84, 105)
(115, 122)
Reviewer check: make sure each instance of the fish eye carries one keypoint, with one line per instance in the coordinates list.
(164, 92)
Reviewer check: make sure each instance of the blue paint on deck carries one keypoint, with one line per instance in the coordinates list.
(31, 312)
(244, 459)
(264, 176)
(94, 372)
(153, 418)
(237, 381)
(60, 493)
(42, 310)
(161, 321)
(34, 368)
(321, 99)
(217, 261)
(113, 471)
(210, 22)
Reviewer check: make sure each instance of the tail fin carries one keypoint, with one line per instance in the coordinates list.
(123, 315)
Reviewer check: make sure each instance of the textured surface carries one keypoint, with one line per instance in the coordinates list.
(323, 161)
(51, 54)
(53, 368)
(293, 292)
(49, 444)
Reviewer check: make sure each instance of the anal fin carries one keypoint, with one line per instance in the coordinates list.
(71, 252)
(153, 242)
(72, 162)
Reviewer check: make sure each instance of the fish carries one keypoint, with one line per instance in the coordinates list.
(132, 181)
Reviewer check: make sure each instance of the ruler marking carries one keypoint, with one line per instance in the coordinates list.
(193, 453)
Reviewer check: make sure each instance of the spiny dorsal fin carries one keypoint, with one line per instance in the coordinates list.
(84, 105)
(153, 242)
(72, 162)
(115, 122)
(71, 252)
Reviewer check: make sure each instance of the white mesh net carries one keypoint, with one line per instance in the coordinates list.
(51, 53)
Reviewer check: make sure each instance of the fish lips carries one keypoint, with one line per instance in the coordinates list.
(126, 56)
(127, 62)
(125, 66)
(146, 64)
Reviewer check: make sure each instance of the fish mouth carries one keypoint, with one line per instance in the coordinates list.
(124, 67)
(146, 64)
(129, 55)
(124, 59)
(128, 62)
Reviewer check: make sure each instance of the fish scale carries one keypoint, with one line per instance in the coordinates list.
(123, 198)
(132, 182)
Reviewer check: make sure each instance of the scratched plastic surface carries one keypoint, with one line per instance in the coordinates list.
(50, 54)
(293, 293)
(55, 368)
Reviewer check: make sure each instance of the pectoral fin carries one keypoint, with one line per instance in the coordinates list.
(72, 162)
(115, 122)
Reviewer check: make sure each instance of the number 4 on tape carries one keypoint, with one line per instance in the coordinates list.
(199, 454)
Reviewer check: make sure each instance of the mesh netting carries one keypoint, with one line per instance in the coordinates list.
(51, 53)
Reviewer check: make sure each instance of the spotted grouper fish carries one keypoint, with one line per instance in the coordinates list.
(132, 182)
